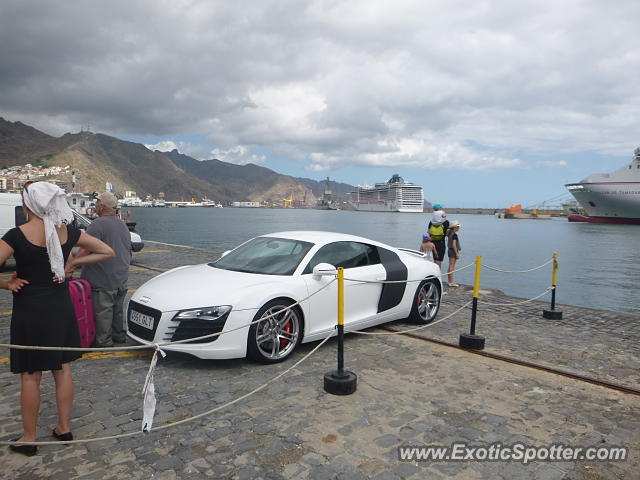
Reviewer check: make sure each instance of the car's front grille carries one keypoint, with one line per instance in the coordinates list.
(183, 328)
(139, 330)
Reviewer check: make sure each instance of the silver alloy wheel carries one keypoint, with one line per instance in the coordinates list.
(427, 301)
(277, 336)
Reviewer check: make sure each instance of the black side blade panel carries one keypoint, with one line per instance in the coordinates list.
(392, 293)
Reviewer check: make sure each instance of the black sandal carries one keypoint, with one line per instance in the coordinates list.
(63, 437)
(28, 450)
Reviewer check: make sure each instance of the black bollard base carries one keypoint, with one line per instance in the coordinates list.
(552, 314)
(471, 342)
(337, 384)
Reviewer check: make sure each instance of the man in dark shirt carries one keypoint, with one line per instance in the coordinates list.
(109, 278)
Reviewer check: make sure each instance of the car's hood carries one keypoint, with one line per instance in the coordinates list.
(198, 286)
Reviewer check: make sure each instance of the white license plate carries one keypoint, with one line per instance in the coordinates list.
(141, 319)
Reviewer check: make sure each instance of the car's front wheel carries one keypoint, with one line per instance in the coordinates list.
(426, 302)
(276, 337)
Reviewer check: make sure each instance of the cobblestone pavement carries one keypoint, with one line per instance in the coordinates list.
(409, 393)
(596, 343)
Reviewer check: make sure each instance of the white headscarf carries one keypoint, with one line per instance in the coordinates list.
(49, 202)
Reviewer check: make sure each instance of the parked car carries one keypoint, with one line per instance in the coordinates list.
(268, 273)
(83, 222)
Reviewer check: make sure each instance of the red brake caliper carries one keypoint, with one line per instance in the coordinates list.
(285, 328)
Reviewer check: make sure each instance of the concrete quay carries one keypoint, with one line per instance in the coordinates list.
(410, 393)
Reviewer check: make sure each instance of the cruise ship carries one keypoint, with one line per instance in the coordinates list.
(396, 195)
(610, 197)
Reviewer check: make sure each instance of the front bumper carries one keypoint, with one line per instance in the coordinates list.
(229, 344)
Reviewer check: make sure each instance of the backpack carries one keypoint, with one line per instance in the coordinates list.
(436, 231)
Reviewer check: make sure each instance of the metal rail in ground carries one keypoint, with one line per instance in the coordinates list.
(524, 363)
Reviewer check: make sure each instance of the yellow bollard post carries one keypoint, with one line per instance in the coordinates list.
(552, 313)
(341, 321)
(340, 382)
(476, 280)
(471, 340)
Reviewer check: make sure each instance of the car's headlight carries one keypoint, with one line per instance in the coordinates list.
(205, 313)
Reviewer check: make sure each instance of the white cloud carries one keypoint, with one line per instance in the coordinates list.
(239, 155)
(163, 146)
(459, 84)
(549, 163)
(419, 153)
(195, 151)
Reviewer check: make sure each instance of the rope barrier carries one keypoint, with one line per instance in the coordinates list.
(548, 289)
(149, 390)
(184, 420)
(213, 335)
(360, 332)
(519, 271)
(165, 344)
(456, 270)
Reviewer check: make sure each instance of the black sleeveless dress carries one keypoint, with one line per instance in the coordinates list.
(43, 314)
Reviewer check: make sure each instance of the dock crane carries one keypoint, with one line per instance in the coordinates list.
(289, 201)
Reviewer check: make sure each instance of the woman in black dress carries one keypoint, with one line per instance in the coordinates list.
(42, 311)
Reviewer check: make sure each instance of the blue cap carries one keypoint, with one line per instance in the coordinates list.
(437, 206)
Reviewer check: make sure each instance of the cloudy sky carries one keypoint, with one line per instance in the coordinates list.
(483, 103)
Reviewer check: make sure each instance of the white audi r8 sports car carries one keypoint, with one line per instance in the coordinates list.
(268, 273)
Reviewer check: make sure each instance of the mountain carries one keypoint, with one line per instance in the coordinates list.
(20, 143)
(128, 166)
(339, 190)
(97, 158)
(244, 182)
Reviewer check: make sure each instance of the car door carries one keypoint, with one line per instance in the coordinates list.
(361, 261)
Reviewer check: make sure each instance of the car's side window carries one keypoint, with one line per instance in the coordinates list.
(345, 255)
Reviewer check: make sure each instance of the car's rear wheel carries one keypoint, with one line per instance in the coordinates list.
(426, 302)
(275, 338)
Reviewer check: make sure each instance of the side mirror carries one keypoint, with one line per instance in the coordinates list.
(323, 269)
(224, 253)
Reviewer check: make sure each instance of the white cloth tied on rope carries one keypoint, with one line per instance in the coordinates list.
(149, 393)
(49, 202)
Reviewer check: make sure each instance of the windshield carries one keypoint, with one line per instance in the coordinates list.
(265, 255)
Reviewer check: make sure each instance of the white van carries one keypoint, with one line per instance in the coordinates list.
(12, 215)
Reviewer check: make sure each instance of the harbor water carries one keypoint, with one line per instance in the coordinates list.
(599, 264)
